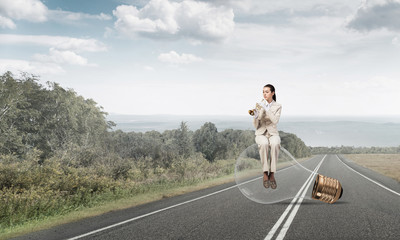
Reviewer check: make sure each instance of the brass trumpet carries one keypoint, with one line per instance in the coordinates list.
(252, 112)
(256, 109)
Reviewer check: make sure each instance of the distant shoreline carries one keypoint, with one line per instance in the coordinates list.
(372, 118)
(357, 131)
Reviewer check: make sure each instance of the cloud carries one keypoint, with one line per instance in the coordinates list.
(7, 23)
(79, 44)
(36, 11)
(76, 16)
(61, 57)
(165, 19)
(156, 16)
(62, 50)
(58, 42)
(256, 7)
(17, 66)
(175, 58)
(31, 10)
(376, 15)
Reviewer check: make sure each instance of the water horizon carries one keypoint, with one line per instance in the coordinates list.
(328, 131)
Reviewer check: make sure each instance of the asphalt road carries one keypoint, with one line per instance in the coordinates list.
(368, 209)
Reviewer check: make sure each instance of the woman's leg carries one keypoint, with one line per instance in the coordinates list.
(275, 147)
(263, 144)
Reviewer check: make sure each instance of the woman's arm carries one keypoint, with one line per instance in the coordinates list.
(256, 122)
(257, 117)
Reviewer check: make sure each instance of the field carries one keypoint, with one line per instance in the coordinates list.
(386, 164)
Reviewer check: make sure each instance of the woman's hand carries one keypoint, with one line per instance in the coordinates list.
(261, 113)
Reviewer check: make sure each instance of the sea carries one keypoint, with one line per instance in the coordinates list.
(325, 131)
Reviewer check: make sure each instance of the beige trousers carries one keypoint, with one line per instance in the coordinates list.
(264, 142)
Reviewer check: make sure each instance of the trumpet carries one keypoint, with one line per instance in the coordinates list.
(257, 108)
(252, 112)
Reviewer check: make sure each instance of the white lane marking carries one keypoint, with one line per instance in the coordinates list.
(380, 185)
(280, 220)
(283, 216)
(154, 212)
(289, 221)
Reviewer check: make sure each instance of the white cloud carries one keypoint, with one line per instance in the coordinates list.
(31, 10)
(377, 14)
(175, 58)
(79, 44)
(7, 23)
(150, 19)
(62, 50)
(257, 7)
(76, 16)
(162, 18)
(32, 67)
(36, 11)
(61, 57)
(58, 42)
(201, 20)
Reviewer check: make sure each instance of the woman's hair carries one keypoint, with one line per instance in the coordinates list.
(272, 88)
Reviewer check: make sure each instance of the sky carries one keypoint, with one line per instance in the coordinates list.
(333, 58)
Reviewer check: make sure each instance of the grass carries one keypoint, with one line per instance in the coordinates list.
(169, 190)
(386, 164)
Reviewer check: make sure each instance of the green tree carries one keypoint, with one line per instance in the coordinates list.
(207, 142)
(235, 141)
(183, 141)
(48, 119)
(294, 145)
(17, 119)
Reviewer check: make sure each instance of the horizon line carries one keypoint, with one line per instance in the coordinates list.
(245, 115)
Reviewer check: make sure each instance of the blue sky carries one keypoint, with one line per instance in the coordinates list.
(211, 57)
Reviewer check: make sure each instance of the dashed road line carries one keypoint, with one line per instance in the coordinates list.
(288, 222)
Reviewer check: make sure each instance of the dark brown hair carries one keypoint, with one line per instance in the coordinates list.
(272, 88)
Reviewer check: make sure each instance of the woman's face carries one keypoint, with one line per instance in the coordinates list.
(268, 94)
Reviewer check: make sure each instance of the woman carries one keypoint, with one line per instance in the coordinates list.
(265, 120)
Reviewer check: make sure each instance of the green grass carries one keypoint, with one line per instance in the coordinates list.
(30, 192)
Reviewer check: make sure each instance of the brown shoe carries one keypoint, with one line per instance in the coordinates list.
(273, 184)
(266, 183)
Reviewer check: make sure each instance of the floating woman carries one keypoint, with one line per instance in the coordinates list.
(266, 117)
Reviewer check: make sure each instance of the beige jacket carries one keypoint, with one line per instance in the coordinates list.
(267, 120)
